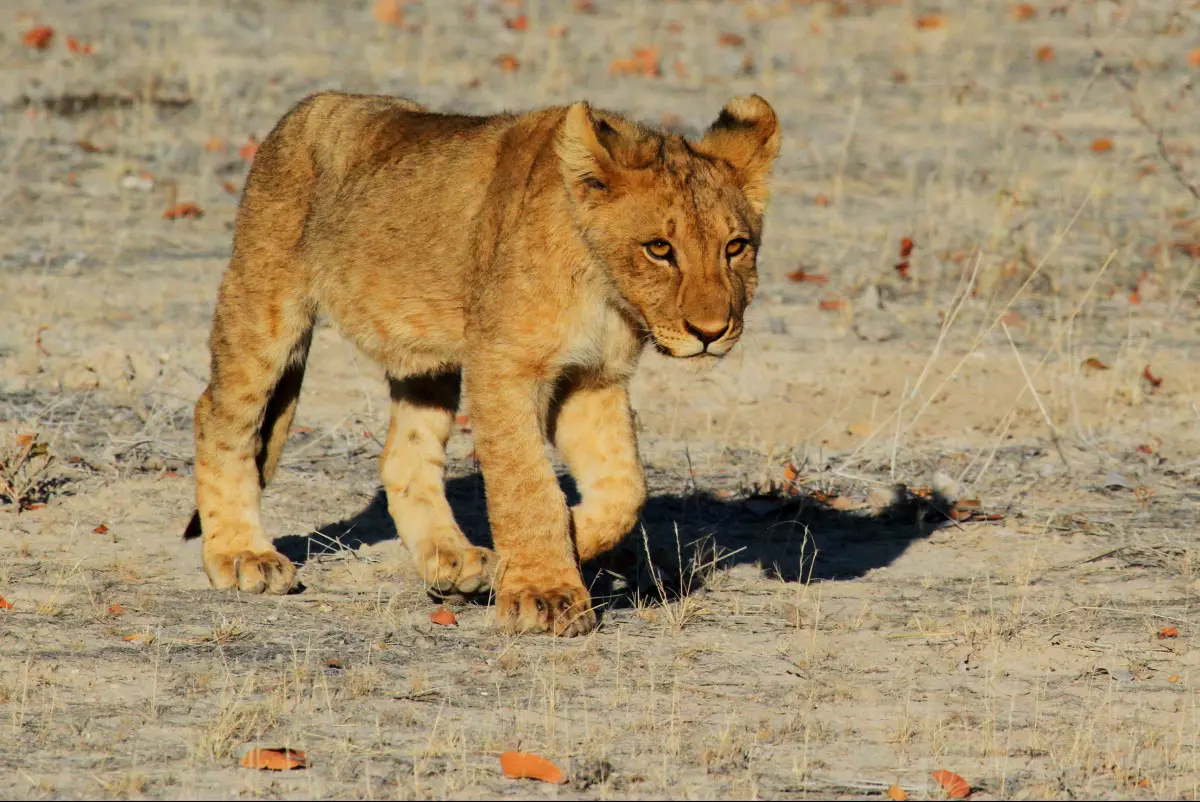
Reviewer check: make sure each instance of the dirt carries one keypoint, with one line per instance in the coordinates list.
(786, 622)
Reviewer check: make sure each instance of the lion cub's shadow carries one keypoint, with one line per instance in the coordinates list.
(681, 541)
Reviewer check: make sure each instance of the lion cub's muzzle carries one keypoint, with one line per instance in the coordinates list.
(699, 338)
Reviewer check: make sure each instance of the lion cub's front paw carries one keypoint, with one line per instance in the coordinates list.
(251, 572)
(467, 570)
(565, 611)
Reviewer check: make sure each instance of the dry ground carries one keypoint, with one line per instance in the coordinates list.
(1023, 654)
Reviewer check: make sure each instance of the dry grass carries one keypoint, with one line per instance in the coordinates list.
(754, 644)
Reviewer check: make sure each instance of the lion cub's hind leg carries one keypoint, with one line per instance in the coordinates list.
(259, 347)
(412, 469)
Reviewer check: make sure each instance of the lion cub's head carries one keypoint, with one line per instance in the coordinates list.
(678, 223)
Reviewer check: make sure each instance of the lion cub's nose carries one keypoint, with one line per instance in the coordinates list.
(707, 331)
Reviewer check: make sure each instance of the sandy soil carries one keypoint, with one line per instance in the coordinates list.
(760, 639)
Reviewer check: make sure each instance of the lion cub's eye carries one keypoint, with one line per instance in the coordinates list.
(660, 249)
(735, 247)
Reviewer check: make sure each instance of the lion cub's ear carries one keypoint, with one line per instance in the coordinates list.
(746, 134)
(587, 165)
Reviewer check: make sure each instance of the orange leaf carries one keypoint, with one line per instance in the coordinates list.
(831, 304)
(5, 604)
(1102, 145)
(820, 200)
(39, 37)
(803, 276)
(902, 268)
(101, 530)
(35, 506)
(731, 40)
(931, 22)
(906, 248)
(132, 637)
(443, 617)
(388, 12)
(526, 766)
(518, 23)
(896, 793)
(24, 440)
(249, 150)
(213, 144)
(183, 210)
(115, 610)
(1168, 632)
(275, 759)
(1045, 53)
(1023, 11)
(1173, 678)
(1135, 298)
(647, 60)
(790, 473)
(1155, 381)
(229, 187)
(1094, 364)
(956, 787)
(81, 48)
(508, 62)
(1194, 57)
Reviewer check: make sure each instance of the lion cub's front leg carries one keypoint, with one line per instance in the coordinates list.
(539, 587)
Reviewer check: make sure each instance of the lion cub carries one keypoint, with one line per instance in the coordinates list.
(532, 255)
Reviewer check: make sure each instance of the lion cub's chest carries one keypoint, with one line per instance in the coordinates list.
(596, 337)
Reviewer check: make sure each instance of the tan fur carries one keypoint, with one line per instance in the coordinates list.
(510, 250)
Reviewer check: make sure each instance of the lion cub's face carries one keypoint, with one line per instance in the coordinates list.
(678, 223)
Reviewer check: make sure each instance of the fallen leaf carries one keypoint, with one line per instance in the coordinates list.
(956, 787)
(508, 62)
(1194, 57)
(1094, 364)
(443, 617)
(821, 200)
(24, 441)
(180, 210)
(249, 150)
(1102, 145)
(902, 268)
(229, 187)
(88, 147)
(78, 47)
(731, 40)
(133, 637)
(1045, 53)
(115, 610)
(931, 22)
(647, 59)
(906, 248)
(5, 604)
(1173, 678)
(1155, 381)
(1023, 11)
(803, 276)
(388, 12)
(101, 530)
(1168, 632)
(1135, 297)
(896, 793)
(35, 506)
(517, 23)
(275, 759)
(39, 37)
(790, 473)
(213, 144)
(526, 766)
(831, 304)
